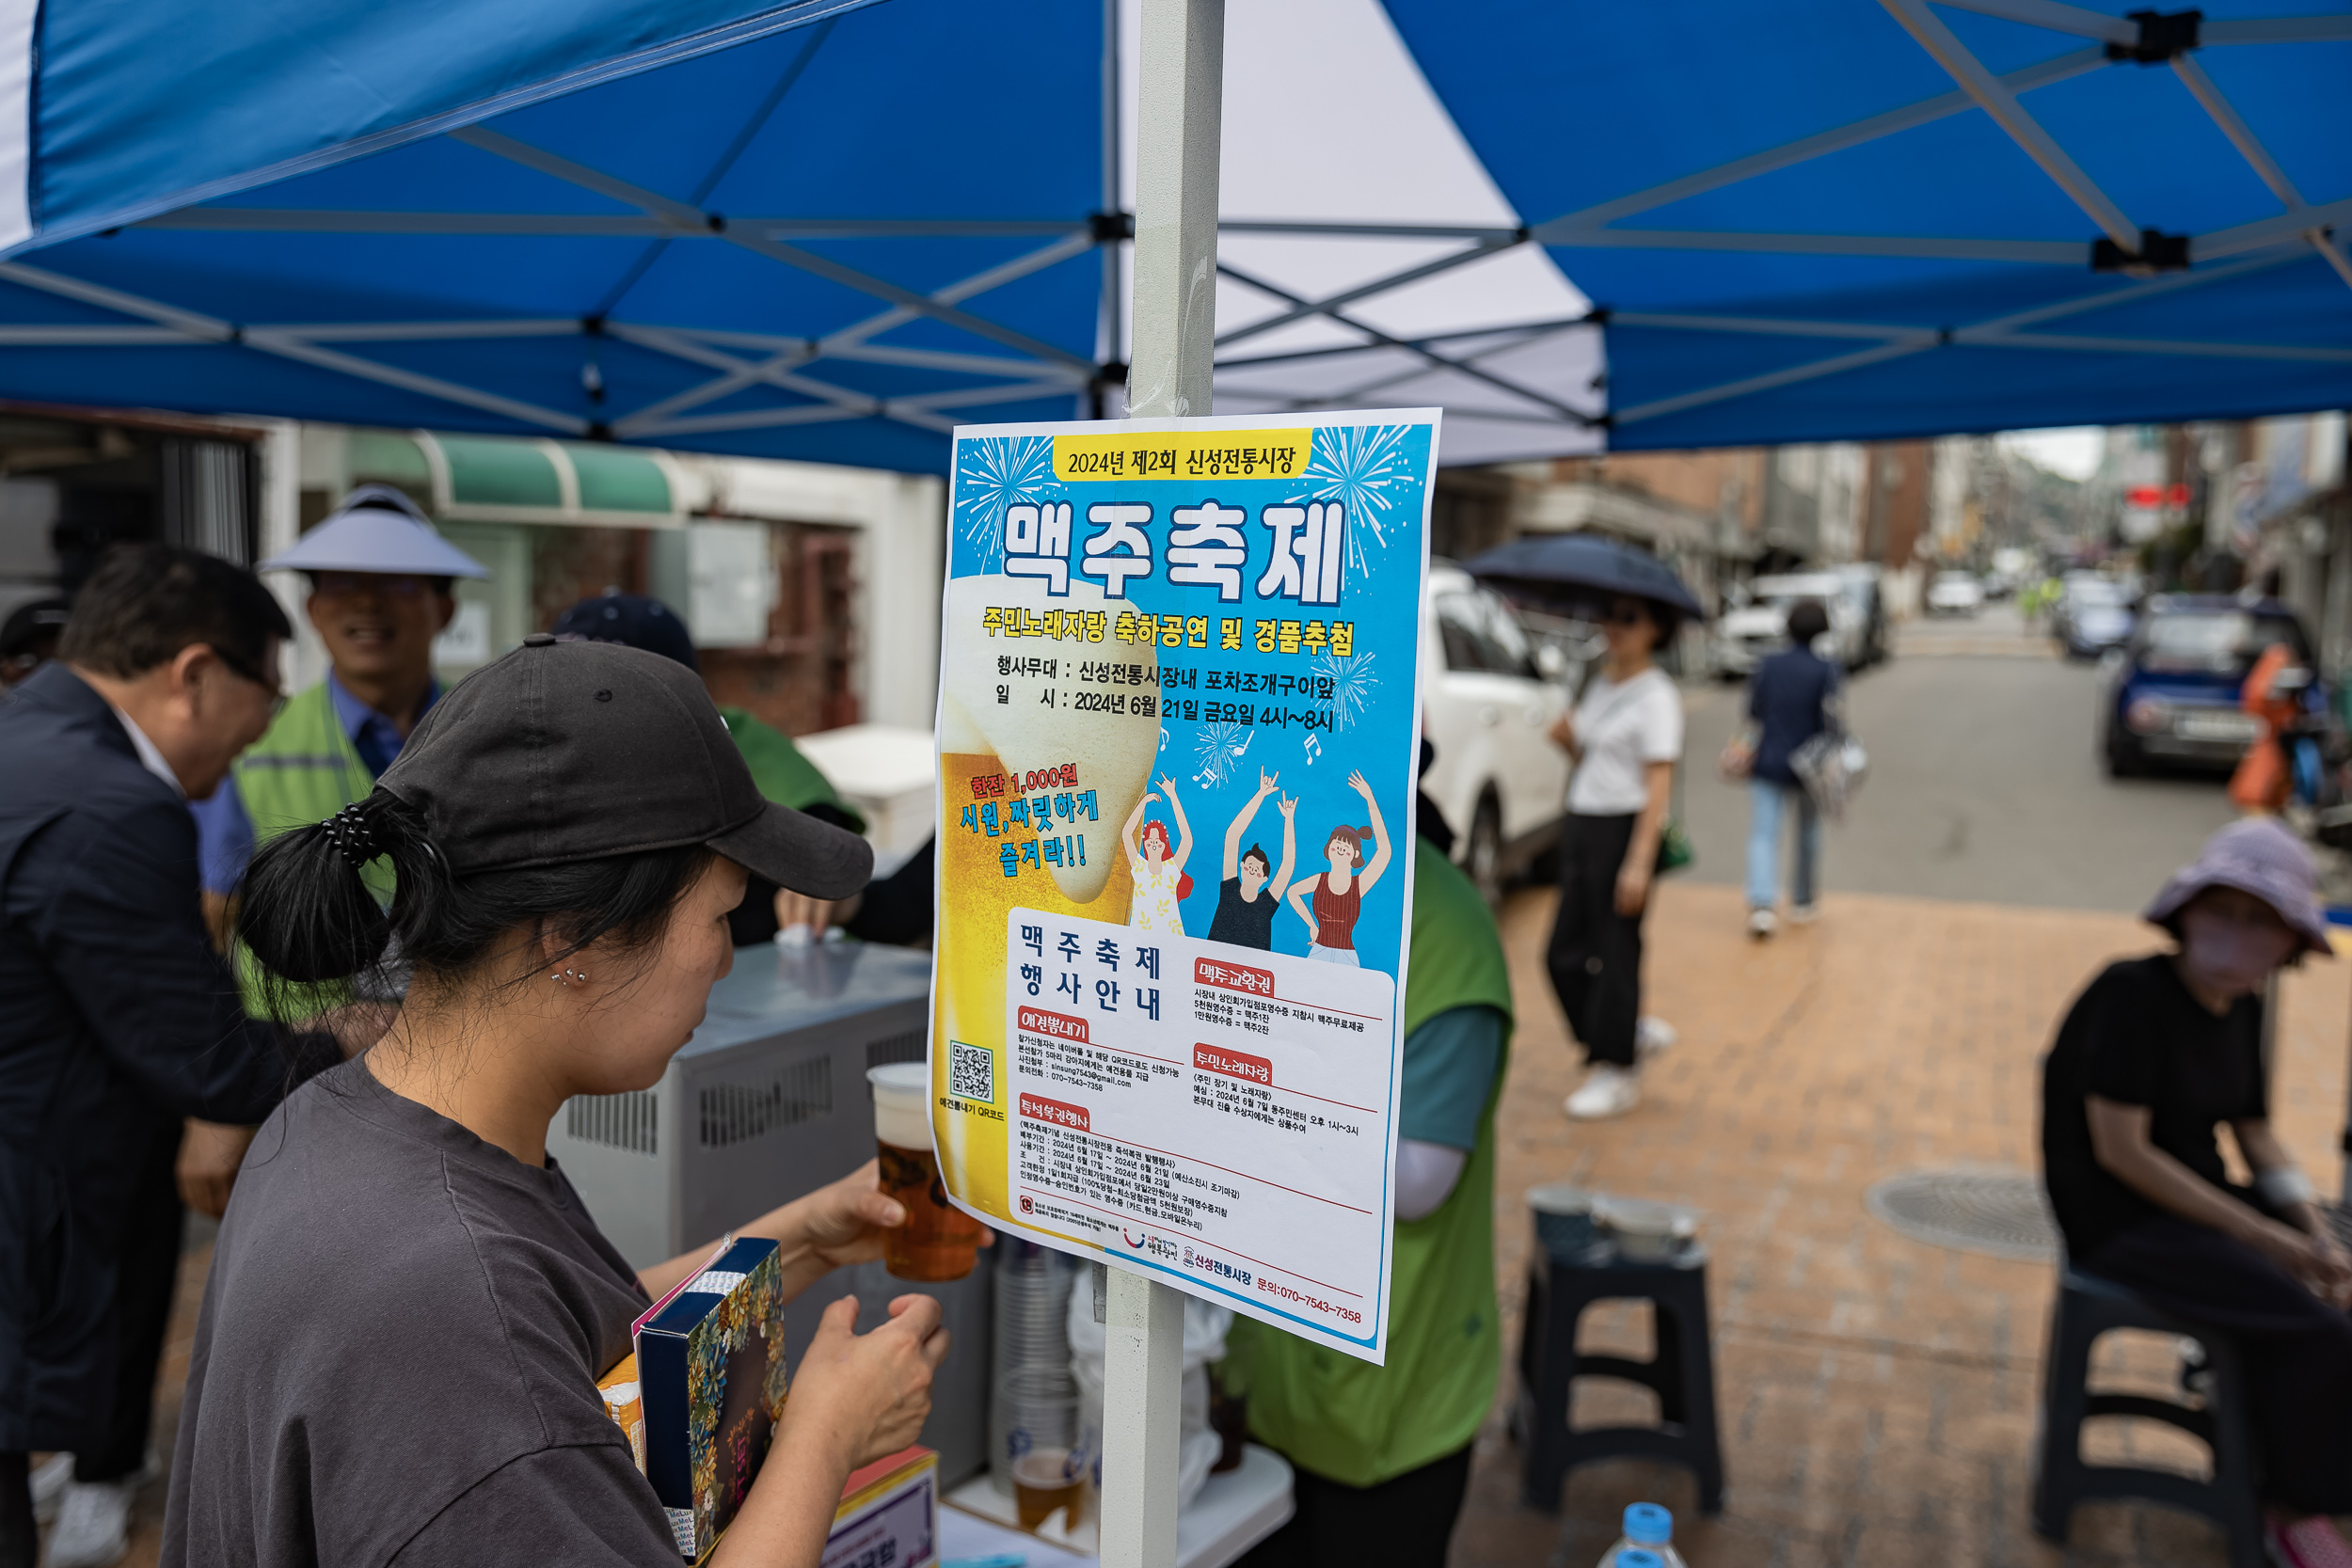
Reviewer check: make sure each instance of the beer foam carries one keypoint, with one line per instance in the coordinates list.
(1114, 751)
(902, 1104)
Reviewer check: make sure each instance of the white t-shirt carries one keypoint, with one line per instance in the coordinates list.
(1623, 728)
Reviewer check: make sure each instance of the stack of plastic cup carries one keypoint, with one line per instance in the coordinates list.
(1032, 1363)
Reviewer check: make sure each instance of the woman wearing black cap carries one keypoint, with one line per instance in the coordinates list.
(408, 1307)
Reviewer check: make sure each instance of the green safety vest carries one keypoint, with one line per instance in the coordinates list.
(1348, 1420)
(782, 773)
(303, 769)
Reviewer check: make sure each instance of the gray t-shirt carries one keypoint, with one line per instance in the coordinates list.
(397, 1357)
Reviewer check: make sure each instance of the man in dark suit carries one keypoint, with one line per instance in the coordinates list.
(116, 1017)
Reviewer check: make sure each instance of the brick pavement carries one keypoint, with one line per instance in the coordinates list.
(1877, 1394)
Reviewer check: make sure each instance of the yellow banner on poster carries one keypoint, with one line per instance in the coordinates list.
(1182, 454)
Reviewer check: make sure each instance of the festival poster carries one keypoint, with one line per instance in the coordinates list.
(1179, 744)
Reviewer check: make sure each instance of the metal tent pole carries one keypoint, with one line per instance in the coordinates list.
(1181, 70)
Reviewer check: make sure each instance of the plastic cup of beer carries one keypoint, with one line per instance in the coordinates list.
(939, 1241)
(1045, 1481)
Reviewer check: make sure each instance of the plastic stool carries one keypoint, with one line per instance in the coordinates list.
(1560, 1286)
(2088, 1307)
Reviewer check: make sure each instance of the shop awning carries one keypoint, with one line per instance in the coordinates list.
(492, 479)
(831, 230)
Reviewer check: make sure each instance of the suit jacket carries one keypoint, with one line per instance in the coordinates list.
(116, 1018)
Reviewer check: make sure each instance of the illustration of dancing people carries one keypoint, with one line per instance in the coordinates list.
(1247, 899)
(1338, 893)
(1158, 866)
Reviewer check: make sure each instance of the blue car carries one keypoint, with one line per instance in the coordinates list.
(2172, 696)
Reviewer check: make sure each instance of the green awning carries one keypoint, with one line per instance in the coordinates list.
(492, 479)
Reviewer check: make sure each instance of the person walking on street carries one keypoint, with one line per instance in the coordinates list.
(2153, 1056)
(1793, 697)
(118, 1017)
(1624, 737)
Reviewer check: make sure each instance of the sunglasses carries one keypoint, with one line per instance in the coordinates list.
(1625, 615)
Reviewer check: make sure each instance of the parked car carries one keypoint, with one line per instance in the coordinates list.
(2093, 614)
(1864, 589)
(1955, 594)
(2172, 694)
(1757, 625)
(1493, 693)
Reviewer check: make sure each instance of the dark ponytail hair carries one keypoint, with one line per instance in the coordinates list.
(317, 930)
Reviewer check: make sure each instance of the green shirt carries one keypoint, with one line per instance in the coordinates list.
(1347, 1420)
(778, 768)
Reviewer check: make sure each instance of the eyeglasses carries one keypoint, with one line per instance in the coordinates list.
(244, 672)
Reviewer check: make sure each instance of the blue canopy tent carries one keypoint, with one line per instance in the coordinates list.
(706, 225)
(1841, 219)
(831, 230)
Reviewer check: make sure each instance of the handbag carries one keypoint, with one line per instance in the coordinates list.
(1832, 767)
(1674, 849)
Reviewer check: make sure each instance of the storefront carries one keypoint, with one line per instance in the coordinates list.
(812, 591)
(75, 481)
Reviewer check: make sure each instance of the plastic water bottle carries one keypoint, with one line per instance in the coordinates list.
(1648, 1542)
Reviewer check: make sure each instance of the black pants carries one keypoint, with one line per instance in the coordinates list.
(20, 1543)
(147, 1272)
(1595, 954)
(2297, 1349)
(1403, 1522)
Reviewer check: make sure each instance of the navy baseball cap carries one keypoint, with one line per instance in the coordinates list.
(632, 620)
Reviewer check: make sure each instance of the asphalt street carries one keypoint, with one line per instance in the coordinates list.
(1984, 784)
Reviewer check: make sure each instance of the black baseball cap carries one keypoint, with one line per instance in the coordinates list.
(568, 752)
(631, 619)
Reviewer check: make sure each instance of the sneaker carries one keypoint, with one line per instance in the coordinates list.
(1608, 1091)
(1652, 1036)
(1805, 914)
(1762, 923)
(49, 1482)
(2308, 1543)
(93, 1527)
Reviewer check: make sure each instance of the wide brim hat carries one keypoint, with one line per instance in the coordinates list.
(2256, 856)
(377, 529)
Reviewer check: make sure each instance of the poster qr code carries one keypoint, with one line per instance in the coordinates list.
(971, 1072)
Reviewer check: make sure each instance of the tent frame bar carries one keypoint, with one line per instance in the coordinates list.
(1995, 100)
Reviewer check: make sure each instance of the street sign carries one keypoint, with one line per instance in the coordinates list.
(1179, 752)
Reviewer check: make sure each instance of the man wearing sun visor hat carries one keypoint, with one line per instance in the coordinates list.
(379, 594)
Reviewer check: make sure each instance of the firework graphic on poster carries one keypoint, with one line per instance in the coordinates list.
(1217, 751)
(1352, 680)
(998, 471)
(1367, 469)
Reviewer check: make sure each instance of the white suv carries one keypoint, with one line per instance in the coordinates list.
(1487, 708)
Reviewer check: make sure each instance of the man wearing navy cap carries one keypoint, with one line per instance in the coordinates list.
(379, 596)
